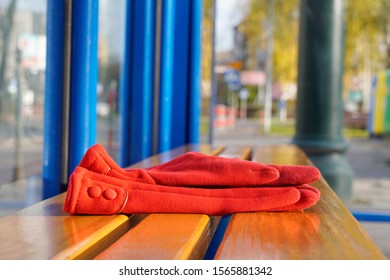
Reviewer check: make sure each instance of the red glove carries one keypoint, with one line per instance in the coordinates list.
(93, 193)
(196, 169)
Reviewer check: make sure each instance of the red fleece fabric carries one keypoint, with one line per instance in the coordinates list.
(196, 169)
(93, 193)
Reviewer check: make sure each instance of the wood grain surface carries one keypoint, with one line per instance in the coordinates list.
(44, 231)
(167, 236)
(163, 236)
(325, 231)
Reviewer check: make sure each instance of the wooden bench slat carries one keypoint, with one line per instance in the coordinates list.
(163, 236)
(167, 236)
(325, 231)
(44, 231)
(241, 152)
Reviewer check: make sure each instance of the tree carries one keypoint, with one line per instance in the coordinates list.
(285, 55)
(367, 36)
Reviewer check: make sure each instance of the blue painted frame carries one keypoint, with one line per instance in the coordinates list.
(180, 90)
(137, 80)
(167, 70)
(52, 128)
(179, 82)
(124, 117)
(371, 216)
(181, 70)
(143, 80)
(84, 77)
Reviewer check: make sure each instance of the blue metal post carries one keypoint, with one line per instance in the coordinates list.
(194, 104)
(84, 76)
(137, 76)
(181, 73)
(142, 81)
(166, 81)
(51, 172)
(124, 91)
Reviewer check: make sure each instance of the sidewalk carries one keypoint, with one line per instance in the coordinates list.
(369, 158)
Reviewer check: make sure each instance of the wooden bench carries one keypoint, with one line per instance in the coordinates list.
(325, 231)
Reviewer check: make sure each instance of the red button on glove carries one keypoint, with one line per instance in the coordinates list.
(93, 193)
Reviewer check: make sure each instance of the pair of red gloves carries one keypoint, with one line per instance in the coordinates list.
(190, 183)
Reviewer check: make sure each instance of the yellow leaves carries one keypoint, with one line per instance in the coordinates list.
(286, 20)
(366, 22)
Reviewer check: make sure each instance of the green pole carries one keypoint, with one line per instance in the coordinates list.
(319, 102)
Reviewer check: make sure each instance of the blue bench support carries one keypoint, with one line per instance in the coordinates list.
(371, 216)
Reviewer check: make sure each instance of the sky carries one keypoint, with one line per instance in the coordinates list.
(228, 15)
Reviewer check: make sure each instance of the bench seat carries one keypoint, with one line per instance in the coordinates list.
(325, 231)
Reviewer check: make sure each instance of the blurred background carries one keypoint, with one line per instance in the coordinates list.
(249, 52)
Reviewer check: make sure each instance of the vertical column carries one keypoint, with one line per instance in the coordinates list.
(66, 94)
(141, 106)
(160, 81)
(52, 133)
(194, 102)
(157, 71)
(166, 74)
(137, 83)
(124, 101)
(181, 73)
(84, 76)
(319, 104)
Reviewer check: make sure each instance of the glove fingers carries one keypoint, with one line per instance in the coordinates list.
(295, 175)
(92, 193)
(97, 160)
(196, 169)
(314, 190)
(209, 202)
(309, 196)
